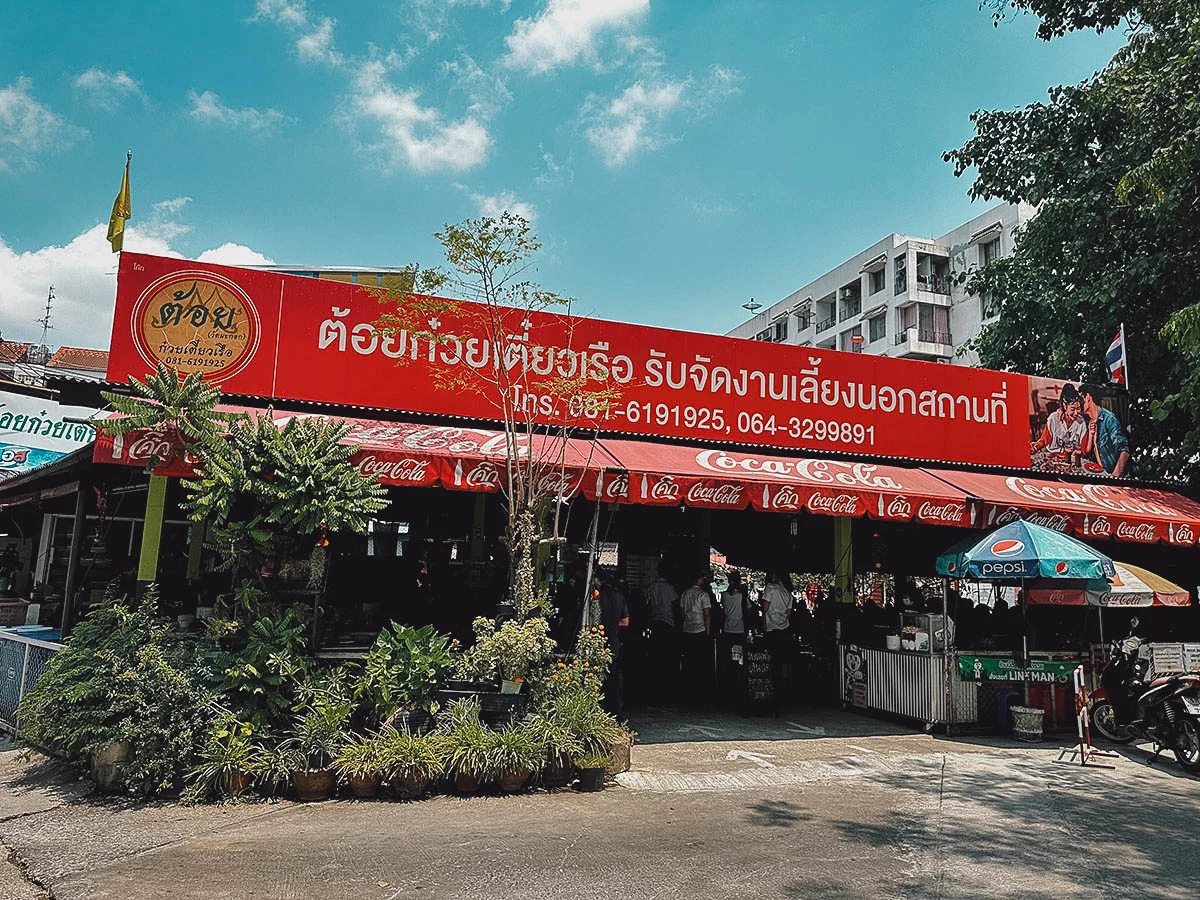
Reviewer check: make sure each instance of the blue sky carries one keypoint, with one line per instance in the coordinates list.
(676, 157)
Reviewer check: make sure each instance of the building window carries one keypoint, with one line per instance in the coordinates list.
(901, 275)
(877, 280)
(877, 328)
(804, 320)
(989, 251)
(763, 335)
(989, 306)
(781, 329)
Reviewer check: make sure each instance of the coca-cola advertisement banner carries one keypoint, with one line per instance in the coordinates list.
(271, 335)
(1073, 428)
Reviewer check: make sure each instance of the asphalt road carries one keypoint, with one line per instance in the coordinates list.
(818, 806)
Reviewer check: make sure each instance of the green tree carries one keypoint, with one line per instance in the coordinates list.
(1111, 164)
(488, 260)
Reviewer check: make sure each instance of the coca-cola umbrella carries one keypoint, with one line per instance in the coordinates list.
(1131, 586)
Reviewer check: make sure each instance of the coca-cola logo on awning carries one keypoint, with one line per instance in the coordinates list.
(1183, 535)
(484, 475)
(616, 487)
(833, 504)
(899, 508)
(941, 512)
(462, 441)
(817, 471)
(407, 470)
(1095, 496)
(785, 498)
(555, 484)
(1055, 522)
(1142, 531)
(665, 489)
(1099, 527)
(715, 494)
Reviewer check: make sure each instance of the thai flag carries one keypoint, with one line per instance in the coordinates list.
(1115, 358)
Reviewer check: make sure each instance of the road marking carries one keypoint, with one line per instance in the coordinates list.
(804, 729)
(707, 732)
(759, 759)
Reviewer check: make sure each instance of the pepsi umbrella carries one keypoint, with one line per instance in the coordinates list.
(1023, 550)
(951, 562)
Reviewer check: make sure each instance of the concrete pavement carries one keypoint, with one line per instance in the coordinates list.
(843, 813)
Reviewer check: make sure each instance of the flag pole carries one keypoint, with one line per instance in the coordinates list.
(1125, 350)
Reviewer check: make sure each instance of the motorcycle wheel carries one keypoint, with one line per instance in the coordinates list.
(1105, 721)
(1187, 747)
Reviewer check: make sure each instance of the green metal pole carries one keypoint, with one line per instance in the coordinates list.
(156, 498)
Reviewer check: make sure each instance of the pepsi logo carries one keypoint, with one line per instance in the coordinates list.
(1061, 568)
(952, 568)
(1008, 547)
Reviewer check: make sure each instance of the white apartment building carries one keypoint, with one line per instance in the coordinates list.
(897, 297)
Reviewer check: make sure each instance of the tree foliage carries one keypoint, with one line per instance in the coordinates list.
(1111, 163)
(264, 489)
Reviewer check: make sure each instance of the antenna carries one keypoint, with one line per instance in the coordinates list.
(44, 321)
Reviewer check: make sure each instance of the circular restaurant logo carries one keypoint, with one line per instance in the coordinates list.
(1009, 547)
(1061, 568)
(196, 322)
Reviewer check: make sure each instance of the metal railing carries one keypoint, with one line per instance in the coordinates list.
(824, 324)
(926, 336)
(851, 310)
(22, 662)
(935, 284)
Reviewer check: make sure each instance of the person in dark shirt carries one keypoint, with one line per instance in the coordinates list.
(614, 616)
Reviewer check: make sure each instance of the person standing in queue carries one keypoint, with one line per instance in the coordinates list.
(777, 604)
(733, 634)
(662, 599)
(614, 616)
(697, 633)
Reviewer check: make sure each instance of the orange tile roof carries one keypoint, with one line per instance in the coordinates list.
(13, 351)
(79, 358)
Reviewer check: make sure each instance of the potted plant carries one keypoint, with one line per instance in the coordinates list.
(313, 746)
(561, 746)
(227, 761)
(108, 761)
(402, 672)
(593, 768)
(410, 762)
(466, 744)
(507, 652)
(515, 755)
(360, 762)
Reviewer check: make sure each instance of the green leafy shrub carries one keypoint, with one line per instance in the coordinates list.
(232, 750)
(466, 742)
(362, 755)
(403, 669)
(261, 681)
(125, 675)
(508, 651)
(411, 756)
(513, 751)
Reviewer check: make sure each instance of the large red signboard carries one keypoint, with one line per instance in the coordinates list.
(291, 337)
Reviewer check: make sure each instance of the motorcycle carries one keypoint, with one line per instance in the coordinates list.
(1165, 711)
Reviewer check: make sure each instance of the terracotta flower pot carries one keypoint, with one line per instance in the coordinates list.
(409, 787)
(466, 784)
(108, 764)
(591, 779)
(312, 786)
(239, 783)
(364, 787)
(510, 784)
(620, 754)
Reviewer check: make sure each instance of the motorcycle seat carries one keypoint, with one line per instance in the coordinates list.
(1183, 679)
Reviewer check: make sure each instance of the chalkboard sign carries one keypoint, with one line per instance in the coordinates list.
(760, 678)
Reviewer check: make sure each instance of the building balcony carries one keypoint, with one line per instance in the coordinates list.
(826, 324)
(850, 311)
(934, 284)
(925, 342)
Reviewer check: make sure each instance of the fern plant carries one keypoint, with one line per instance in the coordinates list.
(184, 410)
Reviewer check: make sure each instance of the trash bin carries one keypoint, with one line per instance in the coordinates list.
(1027, 723)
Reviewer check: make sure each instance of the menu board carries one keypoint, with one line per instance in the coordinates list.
(760, 678)
(1191, 658)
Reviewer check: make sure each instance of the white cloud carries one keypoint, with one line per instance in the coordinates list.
(493, 206)
(172, 206)
(634, 121)
(637, 120)
(487, 93)
(566, 30)
(208, 108)
(554, 173)
(412, 135)
(83, 273)
(29, 128)
(106, 89)
(230, 254)
(314, 43)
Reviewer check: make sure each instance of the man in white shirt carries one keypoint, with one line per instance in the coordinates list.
(697, 630)
(661, 597)
(777, 603)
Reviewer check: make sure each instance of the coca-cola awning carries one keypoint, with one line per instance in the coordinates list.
(416, 455)
(1095, 511)
(725, 479)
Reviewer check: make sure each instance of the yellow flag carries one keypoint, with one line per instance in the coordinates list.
(120, 212)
